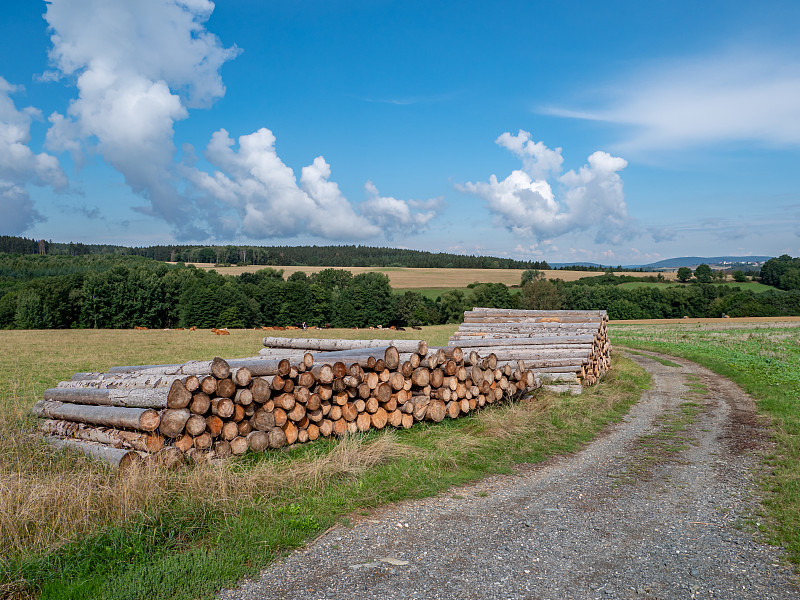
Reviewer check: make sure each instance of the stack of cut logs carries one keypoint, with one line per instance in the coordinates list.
(208, 409)
(558, 345)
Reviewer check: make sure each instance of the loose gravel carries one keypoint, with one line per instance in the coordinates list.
(662, 505)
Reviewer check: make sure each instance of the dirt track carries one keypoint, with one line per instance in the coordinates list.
(660, 506)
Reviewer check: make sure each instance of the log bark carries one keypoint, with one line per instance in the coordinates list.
(325, 345)
(121, 458)
(143, 442)
(139, 419)
(154, 398)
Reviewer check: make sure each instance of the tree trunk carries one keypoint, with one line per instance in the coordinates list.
(118, 457)
(140, 419)
(143, 442)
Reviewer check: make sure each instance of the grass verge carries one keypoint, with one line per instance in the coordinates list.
(765, 362)
(74, 529)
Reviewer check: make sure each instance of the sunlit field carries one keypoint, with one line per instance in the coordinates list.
(401, 277)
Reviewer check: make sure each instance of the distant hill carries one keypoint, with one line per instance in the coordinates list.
(691, 261)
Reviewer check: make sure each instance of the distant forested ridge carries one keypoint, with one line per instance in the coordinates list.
(313, 256)
(108, 291)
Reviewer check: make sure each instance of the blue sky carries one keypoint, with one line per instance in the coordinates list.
(614, 132)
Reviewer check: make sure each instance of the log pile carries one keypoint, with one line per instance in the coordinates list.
(557, 344)
(213, 409)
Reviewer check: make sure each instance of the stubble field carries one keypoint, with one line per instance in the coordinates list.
(405, 278)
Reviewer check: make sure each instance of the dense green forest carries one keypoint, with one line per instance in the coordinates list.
(313, 256)
(107, 291)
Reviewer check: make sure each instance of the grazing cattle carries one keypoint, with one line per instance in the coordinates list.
(399, 328)
(193, 328)
(300, 325)
(416, 327)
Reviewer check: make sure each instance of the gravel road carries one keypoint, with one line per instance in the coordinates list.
(661, 505)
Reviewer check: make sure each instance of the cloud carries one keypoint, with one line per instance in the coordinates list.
(537, 159)
(662, 234)
(747, 96)
(263, 191)
(525, 203)
(139, 67)
(395, 216)
(20, 166)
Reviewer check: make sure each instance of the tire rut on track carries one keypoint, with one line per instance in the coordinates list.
(662, 505)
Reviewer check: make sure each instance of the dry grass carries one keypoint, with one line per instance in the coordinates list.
(64, 517)
(405, 278)
(48, 497)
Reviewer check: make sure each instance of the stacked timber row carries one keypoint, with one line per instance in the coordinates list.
(213, 409)
(559, 345)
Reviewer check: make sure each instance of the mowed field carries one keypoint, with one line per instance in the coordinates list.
(74, 528)
(405, 278)
(70, 527)
(752, 286)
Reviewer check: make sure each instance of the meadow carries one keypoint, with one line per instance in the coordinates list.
(402, 278)
(763, 357)
(753, 286)
(73, 528)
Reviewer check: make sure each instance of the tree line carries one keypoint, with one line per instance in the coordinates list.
(326, 256)
(103, 291)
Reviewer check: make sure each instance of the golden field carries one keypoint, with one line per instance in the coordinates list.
(405, 278)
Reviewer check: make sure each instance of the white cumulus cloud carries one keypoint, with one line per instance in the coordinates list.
(256, 184)
(139, 66)
(525, 202)
(20, 166)
(396, 216)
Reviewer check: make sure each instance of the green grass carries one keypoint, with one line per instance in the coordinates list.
(658, 359)
(765, 362)
(184, 534)
(752, 286)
